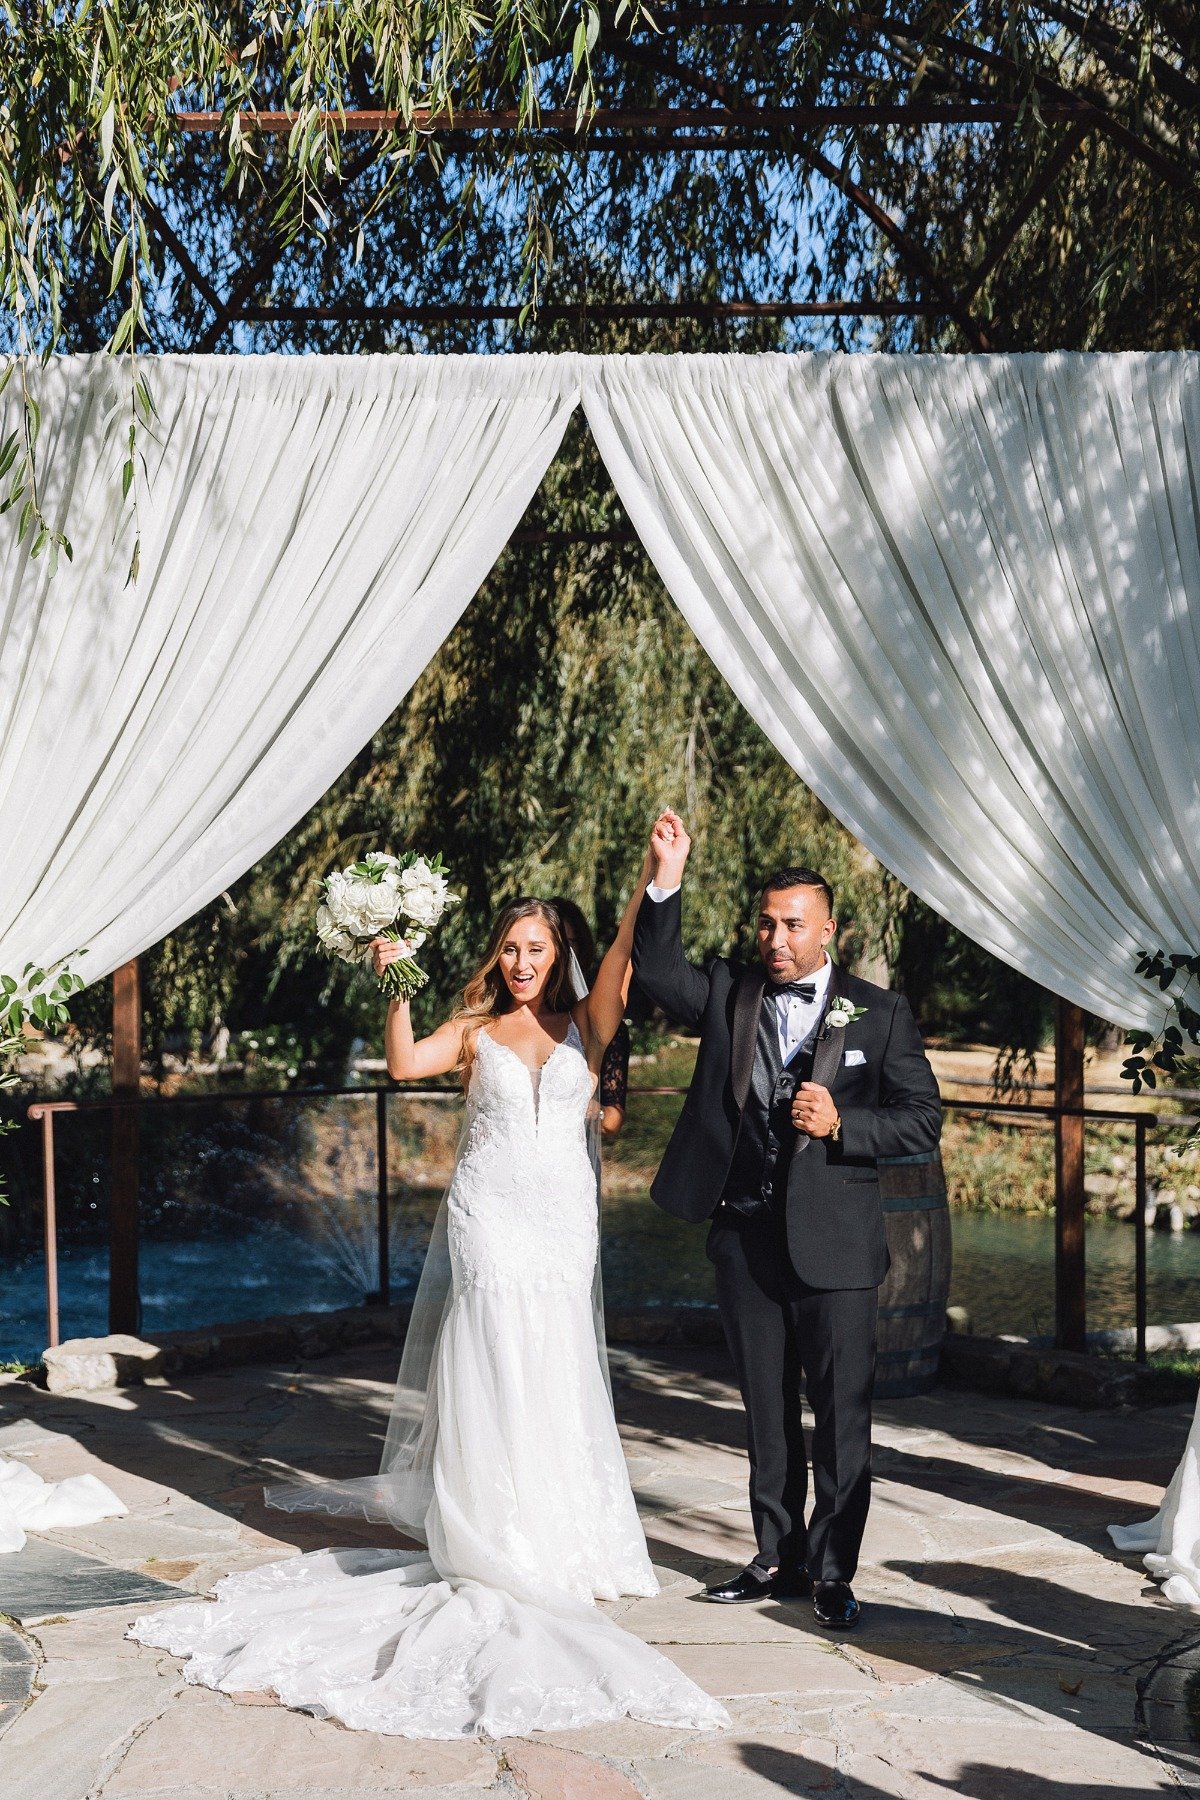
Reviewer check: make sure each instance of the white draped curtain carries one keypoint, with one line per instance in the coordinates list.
(961, 595)
(958, 594)
(312, 528)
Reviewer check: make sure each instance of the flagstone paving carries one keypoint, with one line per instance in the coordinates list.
(1005, 1651)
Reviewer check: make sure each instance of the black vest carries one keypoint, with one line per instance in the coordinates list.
(766, 1136)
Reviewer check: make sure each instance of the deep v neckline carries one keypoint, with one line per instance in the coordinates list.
(533, 1070)
(535, 1073)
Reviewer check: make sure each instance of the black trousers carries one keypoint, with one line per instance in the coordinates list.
(778, 1328)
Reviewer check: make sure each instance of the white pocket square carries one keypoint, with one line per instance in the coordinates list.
(854, 1057)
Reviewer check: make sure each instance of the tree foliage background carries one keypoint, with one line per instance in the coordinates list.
(572, 700)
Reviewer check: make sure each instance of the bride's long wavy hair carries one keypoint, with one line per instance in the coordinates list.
(486, 994)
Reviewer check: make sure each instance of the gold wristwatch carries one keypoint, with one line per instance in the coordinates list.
(835, 1130)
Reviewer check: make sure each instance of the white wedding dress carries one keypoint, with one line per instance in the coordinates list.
(504, 1458)
(1169, 1543)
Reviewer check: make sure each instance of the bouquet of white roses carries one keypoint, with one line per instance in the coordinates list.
(402, 898)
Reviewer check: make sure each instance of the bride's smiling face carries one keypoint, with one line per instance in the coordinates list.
(527, 959)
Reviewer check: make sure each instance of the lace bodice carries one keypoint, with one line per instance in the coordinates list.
(501, 1082)
(522, 1205)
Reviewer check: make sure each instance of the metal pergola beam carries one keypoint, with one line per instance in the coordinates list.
(630, 311)
(1049, 92)
(1036, 192)
(779, 119)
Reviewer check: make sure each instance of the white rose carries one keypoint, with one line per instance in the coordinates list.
(335, 939)
(337, 894)
(838, 1018)
(422, 894)
(371, 907)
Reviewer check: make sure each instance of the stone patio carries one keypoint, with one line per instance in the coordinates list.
(1005, 1652)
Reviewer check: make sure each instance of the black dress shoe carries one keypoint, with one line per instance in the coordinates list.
(752, 1584)
(834, 1604)
(791, 1584)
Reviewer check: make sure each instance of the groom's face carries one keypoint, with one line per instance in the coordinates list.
(794, 927)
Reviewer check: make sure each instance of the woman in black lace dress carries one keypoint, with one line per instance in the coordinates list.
(614, 1071)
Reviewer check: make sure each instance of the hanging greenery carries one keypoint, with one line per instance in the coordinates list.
(1087, 159)
(90, 144)
(40, 998)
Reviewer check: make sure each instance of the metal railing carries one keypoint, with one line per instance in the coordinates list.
(44, 1111)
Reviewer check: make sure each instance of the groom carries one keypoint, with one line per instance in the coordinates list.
(805, 1075)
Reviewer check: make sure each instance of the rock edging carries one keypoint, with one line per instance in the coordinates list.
(1064, 1377)
(990, 1365)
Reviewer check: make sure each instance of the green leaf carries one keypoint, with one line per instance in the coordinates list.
(108, 122)
(8, 453)
(118, 263)
(110, 199)
(125, 329)
(126, 479)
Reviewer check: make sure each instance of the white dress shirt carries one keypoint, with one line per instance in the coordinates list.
(797, 1018)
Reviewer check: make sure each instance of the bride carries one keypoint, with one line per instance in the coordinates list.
(502, 1455)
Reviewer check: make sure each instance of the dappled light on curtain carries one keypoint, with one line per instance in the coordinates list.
(957, 593)
(312, 528)
(960, 596)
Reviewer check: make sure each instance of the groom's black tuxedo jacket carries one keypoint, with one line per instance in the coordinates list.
(875, 1068)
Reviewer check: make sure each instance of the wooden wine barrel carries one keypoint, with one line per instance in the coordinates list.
(912, 1301)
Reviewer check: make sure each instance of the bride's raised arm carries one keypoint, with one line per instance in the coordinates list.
(410, 1058)
(599, 1015)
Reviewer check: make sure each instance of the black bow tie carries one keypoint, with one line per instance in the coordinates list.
(803, 990)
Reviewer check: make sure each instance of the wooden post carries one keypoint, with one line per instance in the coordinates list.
(1070, 1301)
(123, 1303)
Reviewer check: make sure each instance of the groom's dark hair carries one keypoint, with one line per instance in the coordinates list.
(790, 878)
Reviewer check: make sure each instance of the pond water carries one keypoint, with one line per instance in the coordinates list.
(1003, 1272)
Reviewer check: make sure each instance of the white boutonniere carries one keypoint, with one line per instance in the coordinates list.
(841, 1013)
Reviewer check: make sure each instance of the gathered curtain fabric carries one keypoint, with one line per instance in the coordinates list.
(961, 596)
(312, 528)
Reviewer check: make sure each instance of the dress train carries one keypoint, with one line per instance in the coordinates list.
(509, 1468)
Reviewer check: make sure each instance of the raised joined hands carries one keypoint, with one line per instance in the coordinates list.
(669, 849)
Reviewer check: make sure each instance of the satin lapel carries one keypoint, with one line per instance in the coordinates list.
(827, 1051)
(746, 1007)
